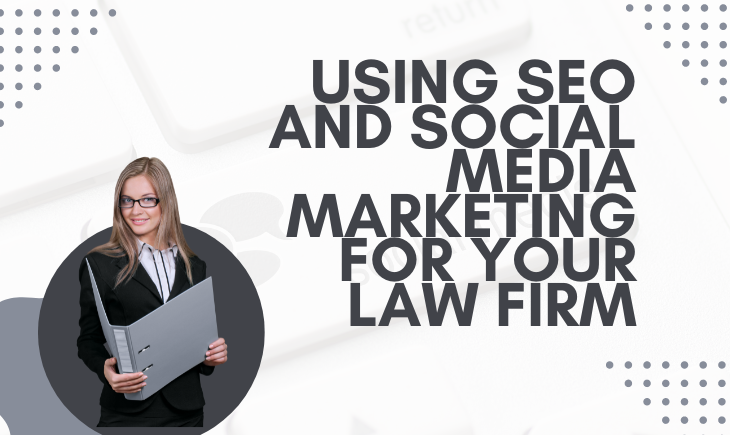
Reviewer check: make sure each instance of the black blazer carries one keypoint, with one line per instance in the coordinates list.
(125, 305)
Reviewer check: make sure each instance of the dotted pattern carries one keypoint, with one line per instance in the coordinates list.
(715, 19)
(666, 383)
(30, 34)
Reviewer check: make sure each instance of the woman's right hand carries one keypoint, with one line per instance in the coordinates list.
(126, 383)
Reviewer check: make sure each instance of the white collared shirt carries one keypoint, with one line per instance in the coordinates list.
(160, 266)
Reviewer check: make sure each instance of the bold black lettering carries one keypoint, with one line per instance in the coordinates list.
(290, 113)
(300, 206)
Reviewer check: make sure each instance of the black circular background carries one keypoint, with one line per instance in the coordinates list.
(238, 313)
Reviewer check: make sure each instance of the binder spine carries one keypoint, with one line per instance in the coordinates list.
(124, 347)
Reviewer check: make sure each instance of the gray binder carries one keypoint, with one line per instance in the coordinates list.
(165, 343)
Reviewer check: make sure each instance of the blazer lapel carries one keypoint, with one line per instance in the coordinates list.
(142, 277)
(181, 277)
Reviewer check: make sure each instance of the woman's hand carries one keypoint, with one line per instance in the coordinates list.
(126, 383)
(218, 353)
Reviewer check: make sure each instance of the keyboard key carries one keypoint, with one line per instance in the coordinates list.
(209, 79)
(598, 416)
(402, 393)
(60, 127)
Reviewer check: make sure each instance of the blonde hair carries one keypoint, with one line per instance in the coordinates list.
(123, 241)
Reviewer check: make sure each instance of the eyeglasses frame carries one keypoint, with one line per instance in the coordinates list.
(138, 201)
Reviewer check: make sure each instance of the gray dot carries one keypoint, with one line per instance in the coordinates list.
(667, 26)
(665, 420)
(723, 26)
(56, 12)
(703, 420)
(723, 100)
(18, 67)
(18, 31)
(723, 81)
(627, 383)
(647, 26)
(723, 62)
(75, 12)
(37, 68)
(37, 49)
(647, 8)
(703, 383)
(665, 401)
(2, 104)
(93, 12)
(19, 49)
(684, 420)
(704, 26)
(665, 364)
(93, 30)
(112, 12)
(704, 8)
(2, 30)
(1, 68)
(56, 30)
(704, 44)
(721, 420)
(685, 62)
(647, 402)
(721, 402)
(665, 383)
(2, 12)
(721, 364)
(74, 49)
(703, 401)
(685, 26)
(704, 62)
(721, 383)
(629, 8)
(18, 12)
(1, 49)
(19, 86)
(37, 31)
(18, 104)
(609, 365)
(628, 364)
(37, 12)
(684, 383)
(685, 44)
(1, 121)
(647, 364)
(685, 402)
(703, 81)
(723, 44)
(56, 68)
(685, 8)
(74, 31)
(37, 86)
(56, 49)
(647, 383)
(1, 86)
(723, 8)
(667, 8)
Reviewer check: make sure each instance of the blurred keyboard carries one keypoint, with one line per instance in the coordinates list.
(249, 210)
(212, 72)
(60, 131)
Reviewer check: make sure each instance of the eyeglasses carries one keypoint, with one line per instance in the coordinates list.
(147, 202)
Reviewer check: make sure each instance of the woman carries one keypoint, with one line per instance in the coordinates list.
(145, 264)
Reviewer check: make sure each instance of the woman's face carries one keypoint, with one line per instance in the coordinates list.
(142, 220)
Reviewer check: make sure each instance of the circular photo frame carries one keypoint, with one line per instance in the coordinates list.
(239, 319)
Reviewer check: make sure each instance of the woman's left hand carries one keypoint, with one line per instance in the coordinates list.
(218, 353)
